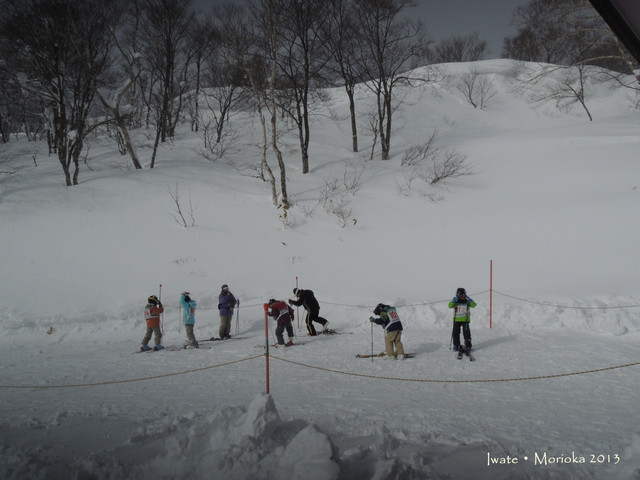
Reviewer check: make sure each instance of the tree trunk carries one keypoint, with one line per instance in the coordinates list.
(352, 112)
(129, 146)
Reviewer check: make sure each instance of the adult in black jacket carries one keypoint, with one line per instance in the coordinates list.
(307, 299)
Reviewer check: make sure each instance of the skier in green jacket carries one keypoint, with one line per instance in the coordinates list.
(462, 306)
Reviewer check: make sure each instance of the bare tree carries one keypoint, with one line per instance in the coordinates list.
(251, 47)
(165, 26)
(201, 42)
(431, 163)
(565, 87)
(63, 48)
(17, 107)
(341, 39)
(117, 89)
(238, 33)
(476, 87)
(180, 215)
(392, 48)
(542, 34)
(300, 61)
(219, 82)
(460, 48)
(566, 32)
(570, 36)
(273, 11)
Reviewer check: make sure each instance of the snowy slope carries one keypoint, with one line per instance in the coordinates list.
(552, 201)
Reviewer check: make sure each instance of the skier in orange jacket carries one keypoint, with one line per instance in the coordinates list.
(152, 315)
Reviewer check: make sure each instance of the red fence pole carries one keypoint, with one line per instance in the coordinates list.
(266, 341)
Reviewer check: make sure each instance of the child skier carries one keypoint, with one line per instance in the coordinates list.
(283, 314)
(390, 320)
(462, 306)
(152, 315)
(189, 318)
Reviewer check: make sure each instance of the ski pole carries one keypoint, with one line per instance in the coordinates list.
(452, 328)
(372, 341)
(238, 318)
(297, 307)
(162, 314)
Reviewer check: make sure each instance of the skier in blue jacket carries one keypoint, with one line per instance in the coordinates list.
(189, 318)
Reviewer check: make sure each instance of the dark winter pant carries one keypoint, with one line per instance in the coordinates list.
(466, 333)
(282, 325)
(313, 317)
(152, 331)
(225, 325)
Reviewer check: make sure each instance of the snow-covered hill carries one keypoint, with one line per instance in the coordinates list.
(551, 201)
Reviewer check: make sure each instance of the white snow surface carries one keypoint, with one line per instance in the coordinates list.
(553, 393)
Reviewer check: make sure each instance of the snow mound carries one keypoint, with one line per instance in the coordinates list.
(246, 442)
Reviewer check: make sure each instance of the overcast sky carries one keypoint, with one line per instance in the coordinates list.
(446, 18)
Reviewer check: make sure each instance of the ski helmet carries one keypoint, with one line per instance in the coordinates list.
(295, 291)
(153, 300)
(272, 301)
(225, 287)
(379, 308)
(461, 291)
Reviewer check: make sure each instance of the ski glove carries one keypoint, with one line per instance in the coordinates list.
(371, 319)
(455, 299)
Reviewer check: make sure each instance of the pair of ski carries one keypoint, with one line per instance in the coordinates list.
(277, 345)
(177, 348)
(381, 354)
(216, 339)
(171, 348)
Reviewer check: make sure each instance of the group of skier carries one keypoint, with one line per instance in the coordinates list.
(154, 309)
(387, 317)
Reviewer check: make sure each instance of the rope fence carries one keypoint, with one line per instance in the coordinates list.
(130, 380)
(513, 297)
(495, 380)
(608, 307)
(328, 370)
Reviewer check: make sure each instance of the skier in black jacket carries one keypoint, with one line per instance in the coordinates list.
(307, 299)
